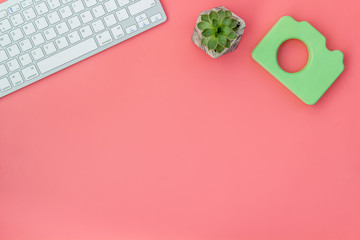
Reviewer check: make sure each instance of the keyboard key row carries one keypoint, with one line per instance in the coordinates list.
(4, 57)
(63, 28)
(16, 79)
(50, 48)
(77, 7)
(54, 17)
(67, 55)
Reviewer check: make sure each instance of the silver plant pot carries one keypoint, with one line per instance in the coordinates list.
(196, 37)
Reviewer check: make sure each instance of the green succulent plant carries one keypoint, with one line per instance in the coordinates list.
(218, 30)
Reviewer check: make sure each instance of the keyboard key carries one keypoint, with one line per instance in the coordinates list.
(77, 6)
(53, 17)
(29, 29)
(104, 38)
(37, 39)
(53, 4)
(131, 29)
(65, 12)
(5, 25)
(29, 14)
(62, 43)
(3, 70)
(37, 54)
(74, 37)
(25, 59)
(16, 79)
(118, 32)
(98, 11)
(3, 14)
(13, 50)
(4, 40)
(41, 23)
(144, 23)
(110, 6)
(90, 3)
(3, 56)
(110, 20)
(86, 31)
(67, 55)
(50, 34)
(141, 6)
(14, 8)
(25, 45)
(74, 22)
(26, 3)
(16, 34)
(62, 28)
(13, 65)
(17, 20)
(41, 8)
(86, 17)
(156, 17)
(49, 48)
(98, 26)
(4, 85)
(30, 73)
(123, 2)
(141, 17)
(122, 15)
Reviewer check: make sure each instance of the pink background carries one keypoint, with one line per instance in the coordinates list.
(153, 139)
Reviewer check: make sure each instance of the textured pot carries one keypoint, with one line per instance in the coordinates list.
(196, 38)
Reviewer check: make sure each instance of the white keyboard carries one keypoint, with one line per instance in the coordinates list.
(41, 37)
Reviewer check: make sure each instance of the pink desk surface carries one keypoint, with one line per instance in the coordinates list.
(153, 139)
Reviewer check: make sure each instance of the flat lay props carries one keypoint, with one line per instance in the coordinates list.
(323, 66)
(153, 140)
(218, 31)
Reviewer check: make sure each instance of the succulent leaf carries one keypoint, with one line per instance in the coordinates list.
(227, 30)
(213, 15)
(204, 25)
(219, 48)
(221, 14)
(226, 22)
(215, 23)
(204, 41)
(231, 36)
(207, 32)
(205, 18)
(233, 23)
(212, 43)
(228, 14)
(222, 40)
(228, 43)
